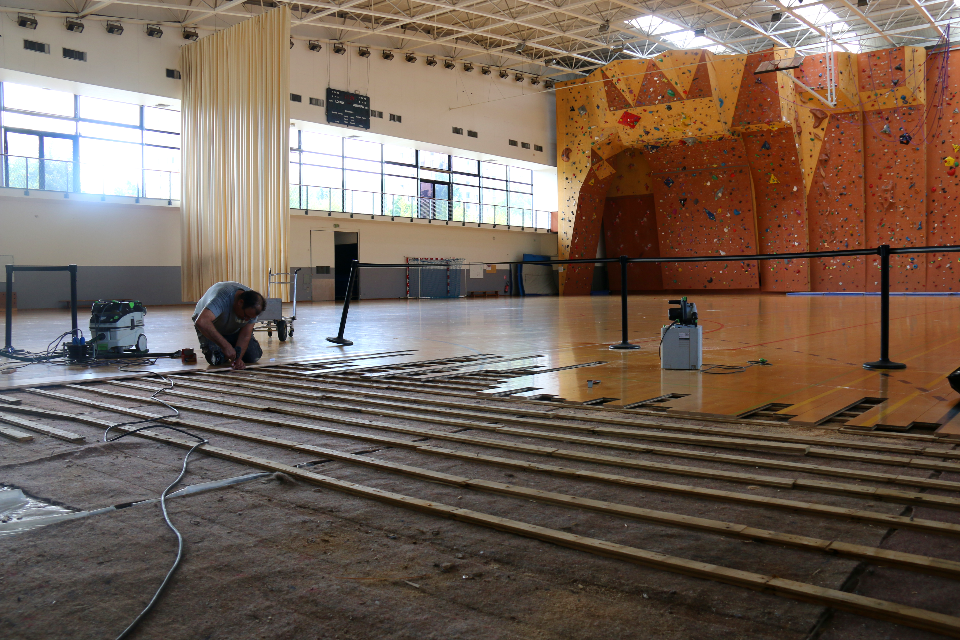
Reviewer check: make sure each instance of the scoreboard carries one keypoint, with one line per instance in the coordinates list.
(350, 109)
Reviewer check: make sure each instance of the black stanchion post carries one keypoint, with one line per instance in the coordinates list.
(624, 343)
(9, 305)
(884, 362)
(346, 306)
(73, 297)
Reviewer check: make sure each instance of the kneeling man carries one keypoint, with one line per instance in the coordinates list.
(224, 320)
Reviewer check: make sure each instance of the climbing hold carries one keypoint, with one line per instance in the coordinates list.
(819, 115)
(683, 202)
(956, 148)
(952, 171)
(773, 179)
(949, 161)
(629, 119)
(582, 110)
(668, 182)
(736, 212)
(905, 138)
(899, 67)
(718, 194)
(671, 93)
(565, 156)
(885, 129)
(710, 214)
(766, 145)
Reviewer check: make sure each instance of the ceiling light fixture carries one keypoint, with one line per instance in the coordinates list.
(699, 33)
(520, 47)
(191, 34)
(862, 3)
(448, 64)
(468, 66)
(777, 17)
(548, 84)
(115, 28)
(518, 77)
(339, 49)
(603, 28)
(535, 80)
(27, 21)
(503, 73)
(364, 52)
(74, 24)
(154, 31)
(410, 57)
(485, 70)
(550, 62)
(431, 61)
(387, 55)
(314, 45)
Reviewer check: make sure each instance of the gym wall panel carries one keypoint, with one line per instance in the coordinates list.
(630, 229)
(942, 189)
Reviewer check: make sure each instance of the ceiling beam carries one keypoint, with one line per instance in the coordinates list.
(926, 16)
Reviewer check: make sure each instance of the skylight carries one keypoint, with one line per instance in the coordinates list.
(678, 36)
(823, 17)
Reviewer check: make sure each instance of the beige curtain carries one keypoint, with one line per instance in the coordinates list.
(236, 127)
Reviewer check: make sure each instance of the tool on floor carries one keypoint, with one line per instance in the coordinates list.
(117, 326)
(681, 341)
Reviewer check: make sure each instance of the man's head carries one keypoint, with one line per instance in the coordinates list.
(248, 305)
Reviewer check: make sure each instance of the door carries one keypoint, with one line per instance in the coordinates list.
(346, 249)
(42, 161)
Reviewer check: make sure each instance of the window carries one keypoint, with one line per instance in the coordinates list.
(58, 141)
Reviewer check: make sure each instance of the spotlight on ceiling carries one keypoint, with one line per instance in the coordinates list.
(114, 28)
(364, 52)
(603, 28)
(548, 84)
(550, 62)
(448, 64)
(387, 55)
(27, 21)
(485, 70)
(503, 73)
(520, 47)
(535, 80)
(74, 24)
(699, 33)
(518, 77)
(410, 57)
(468, 66)
(339, 49)
(291, 41)
(314, 45)
(776, 17)
(431, 61)
(191, 34)
(154, 31)
(861, 3)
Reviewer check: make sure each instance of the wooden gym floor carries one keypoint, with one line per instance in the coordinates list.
(815, 346)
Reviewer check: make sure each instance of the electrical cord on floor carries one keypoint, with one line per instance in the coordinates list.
(163, 496)
(723, 369)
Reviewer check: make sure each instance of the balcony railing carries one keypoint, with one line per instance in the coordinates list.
(42, 174)
(396, 206)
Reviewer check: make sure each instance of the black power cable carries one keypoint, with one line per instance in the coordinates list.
(723, 369)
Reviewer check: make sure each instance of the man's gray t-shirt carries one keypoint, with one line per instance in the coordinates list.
(219, 300)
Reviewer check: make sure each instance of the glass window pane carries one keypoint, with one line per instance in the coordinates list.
(362, 165)
(493, 170)
(466, 194)
(161, 139)
(399, 170)
(465, 165)
(39, 123)
(18, 96)
(58, 148)
(161, 119)
(23, 145)
(459, 179)
(399, 154)
(491, 196)
(321, 176)
(109, 111)
(361, 149)
(124, 134)
(111, 168)
(321, 160)
(161, 184)
(358, 181)
(524, 200)
(493, 184)
(399, 186)
(161, 159)
(319, 143)
(434, 175)
(521, 175)
(433, 160)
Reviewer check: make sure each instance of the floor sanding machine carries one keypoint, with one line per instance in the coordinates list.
(117, 326)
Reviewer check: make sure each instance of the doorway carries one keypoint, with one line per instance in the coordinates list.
(434, 200)
(346, 249)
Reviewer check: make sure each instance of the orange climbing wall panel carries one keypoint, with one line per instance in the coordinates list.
(781, 210)
(835, 207)
(704, 204)
(758, 101)
(586, 234)
(630, 229)
(942, 189)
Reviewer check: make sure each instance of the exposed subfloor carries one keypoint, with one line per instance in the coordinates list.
(283, 558)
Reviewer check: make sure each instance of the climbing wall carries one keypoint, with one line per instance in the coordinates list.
(943, 182)
(630, 229)
(740, 163)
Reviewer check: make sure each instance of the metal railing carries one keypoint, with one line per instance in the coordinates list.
(884, 252)
(374, 203)
(67, 176)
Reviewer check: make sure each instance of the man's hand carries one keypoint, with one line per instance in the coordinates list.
(238, 364)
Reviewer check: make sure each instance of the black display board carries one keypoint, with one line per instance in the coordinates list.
(350, 109)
